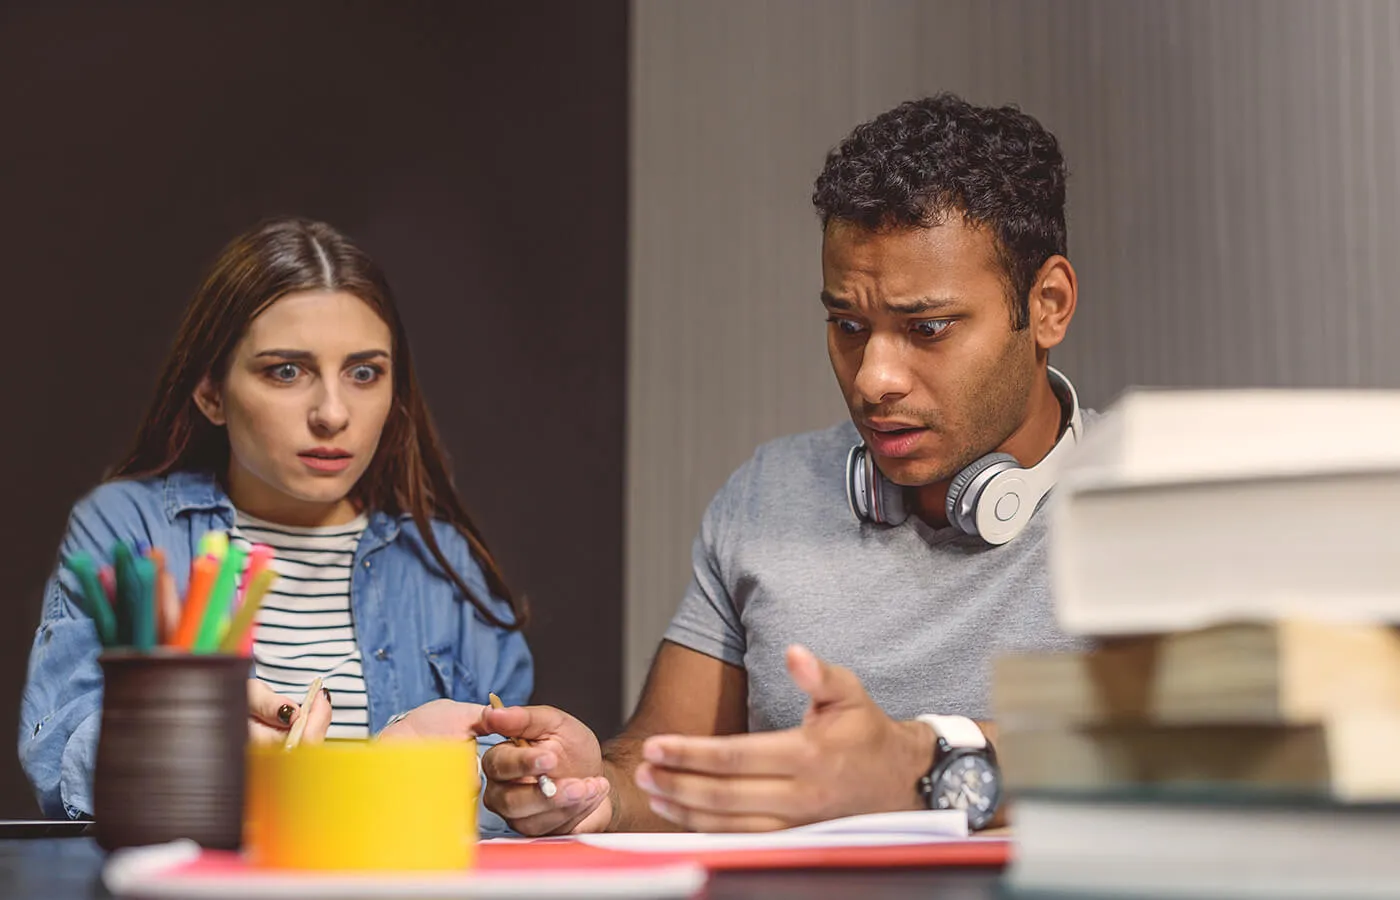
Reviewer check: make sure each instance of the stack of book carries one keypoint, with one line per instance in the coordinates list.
(1235, 730)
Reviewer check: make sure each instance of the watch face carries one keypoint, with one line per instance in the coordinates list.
(969, 782)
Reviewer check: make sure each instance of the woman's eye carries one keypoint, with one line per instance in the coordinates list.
(284, 372)
(365, 374)
(932, 328)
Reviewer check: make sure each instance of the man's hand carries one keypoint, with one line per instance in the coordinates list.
(847, 757)
(563, 748)
(270, 715)
(438, 719)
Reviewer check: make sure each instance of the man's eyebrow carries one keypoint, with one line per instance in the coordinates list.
(920, 305)
(901, 308)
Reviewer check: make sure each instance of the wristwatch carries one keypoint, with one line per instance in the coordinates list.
(964, 774)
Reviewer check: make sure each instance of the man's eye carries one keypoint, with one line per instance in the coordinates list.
(845, 326)
(932, 328)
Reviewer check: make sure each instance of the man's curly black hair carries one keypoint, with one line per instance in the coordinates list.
(928, 159)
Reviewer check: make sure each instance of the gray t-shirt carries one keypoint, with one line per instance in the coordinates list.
(917, 612)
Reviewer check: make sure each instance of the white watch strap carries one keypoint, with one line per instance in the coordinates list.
(958, 731)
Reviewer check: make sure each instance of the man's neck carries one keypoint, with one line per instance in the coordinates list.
(1036, 436)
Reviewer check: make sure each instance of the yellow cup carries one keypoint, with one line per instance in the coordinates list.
(347, 805)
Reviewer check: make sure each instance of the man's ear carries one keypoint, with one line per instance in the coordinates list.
(1052, 302)
(210, 401)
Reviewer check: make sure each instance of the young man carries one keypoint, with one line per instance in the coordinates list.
(945, 287)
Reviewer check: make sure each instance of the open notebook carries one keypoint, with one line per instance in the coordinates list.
(874, 830)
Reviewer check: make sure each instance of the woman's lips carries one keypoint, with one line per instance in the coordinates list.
(330, 464)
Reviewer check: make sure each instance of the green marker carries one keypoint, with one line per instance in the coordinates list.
(211, 627)
(94, 599)
(143, 618)
(128, 592)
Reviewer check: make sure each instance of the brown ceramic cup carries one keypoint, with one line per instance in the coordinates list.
(170, 759)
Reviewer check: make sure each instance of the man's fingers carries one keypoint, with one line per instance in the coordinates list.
(564, 820)
(529, 722)
(518, 802)
(506, 762)
(770, 753)
(700, 820)
(759, 795)
(825, 684)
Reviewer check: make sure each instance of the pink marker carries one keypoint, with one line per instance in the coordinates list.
(109, 584)
(259, 558)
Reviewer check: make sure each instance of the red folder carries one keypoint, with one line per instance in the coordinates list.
(546, 867)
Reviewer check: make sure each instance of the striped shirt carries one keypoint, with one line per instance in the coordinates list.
(304, 627)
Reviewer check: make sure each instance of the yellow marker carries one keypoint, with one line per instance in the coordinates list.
(546, 783)
(214, 543)
(243, 619)
(294, 736)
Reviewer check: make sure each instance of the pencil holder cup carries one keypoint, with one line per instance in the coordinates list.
(363, 805)
(170, 759)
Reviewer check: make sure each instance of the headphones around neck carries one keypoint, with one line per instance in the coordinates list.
(993, 497)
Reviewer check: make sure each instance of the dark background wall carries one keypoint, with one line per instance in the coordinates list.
(478, 151)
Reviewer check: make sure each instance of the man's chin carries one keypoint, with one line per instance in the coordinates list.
(913, 473)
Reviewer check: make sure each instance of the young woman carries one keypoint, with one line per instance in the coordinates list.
(288, 414)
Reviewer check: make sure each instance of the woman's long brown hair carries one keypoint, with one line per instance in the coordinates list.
(409, 472)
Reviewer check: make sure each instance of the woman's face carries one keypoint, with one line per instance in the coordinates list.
(308, 390)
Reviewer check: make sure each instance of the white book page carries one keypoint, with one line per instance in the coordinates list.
(873, 830)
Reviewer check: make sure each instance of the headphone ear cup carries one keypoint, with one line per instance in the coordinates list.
(966, 489)
(856, 497)
(871, 496)
(892, 511)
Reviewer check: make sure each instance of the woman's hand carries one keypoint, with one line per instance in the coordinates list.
(270, 715)
(438, 719)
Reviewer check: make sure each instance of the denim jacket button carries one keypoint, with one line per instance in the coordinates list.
(381, 654)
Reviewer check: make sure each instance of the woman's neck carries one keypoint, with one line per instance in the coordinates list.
(256, 498)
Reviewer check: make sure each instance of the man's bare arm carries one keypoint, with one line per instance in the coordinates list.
(686, 692)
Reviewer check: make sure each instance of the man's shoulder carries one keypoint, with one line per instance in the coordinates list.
(788, 473)
(820, 446)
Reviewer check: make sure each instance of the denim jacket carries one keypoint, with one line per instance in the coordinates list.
(419, 638)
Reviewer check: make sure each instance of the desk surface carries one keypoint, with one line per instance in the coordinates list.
(68, 869)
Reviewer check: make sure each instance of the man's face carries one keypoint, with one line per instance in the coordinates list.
(921, 340)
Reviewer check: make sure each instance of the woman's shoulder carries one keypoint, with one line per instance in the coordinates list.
(456, 550)
(450, 541)
(119, 497)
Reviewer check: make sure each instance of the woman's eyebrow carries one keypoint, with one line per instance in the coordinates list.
(366, 355)
(307, 355)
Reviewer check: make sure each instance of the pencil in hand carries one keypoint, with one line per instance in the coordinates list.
(294, 736)
(546, 783)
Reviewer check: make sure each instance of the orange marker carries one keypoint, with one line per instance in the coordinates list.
(202, 575)
(167, 608)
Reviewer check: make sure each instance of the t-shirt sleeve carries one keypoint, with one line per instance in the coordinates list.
(708, 620)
